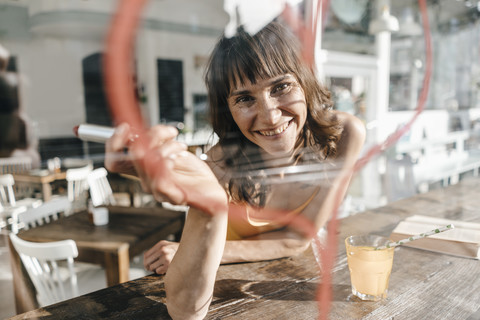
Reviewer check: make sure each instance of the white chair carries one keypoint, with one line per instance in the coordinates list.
(7, 195)
(100, 190)
(16, 165)
(399, 178)
(77, 186)
(46, 212)
(9, 204)
(40, 261)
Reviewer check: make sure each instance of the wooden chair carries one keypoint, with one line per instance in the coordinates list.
(41, 262)
(48, 211)
(100, 190)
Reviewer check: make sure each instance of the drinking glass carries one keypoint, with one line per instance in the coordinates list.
(369, 267)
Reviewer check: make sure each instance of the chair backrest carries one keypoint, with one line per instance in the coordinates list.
(399, 179)
(100, 189)
(15, 164)
(7, 195)
(77, 182)
(40, 261)
(46, 212)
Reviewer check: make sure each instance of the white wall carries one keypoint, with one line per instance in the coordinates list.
(50, 61)
(51, 82)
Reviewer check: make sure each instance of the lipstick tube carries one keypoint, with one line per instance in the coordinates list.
(93, 132)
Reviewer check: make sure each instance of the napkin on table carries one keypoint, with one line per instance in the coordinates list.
(463, 240)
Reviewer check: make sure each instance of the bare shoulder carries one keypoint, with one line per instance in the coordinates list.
(353, 135)
(351, 124)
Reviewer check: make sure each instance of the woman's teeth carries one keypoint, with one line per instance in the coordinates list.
(276, 131)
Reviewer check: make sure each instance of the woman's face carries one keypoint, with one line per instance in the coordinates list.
(270, 113)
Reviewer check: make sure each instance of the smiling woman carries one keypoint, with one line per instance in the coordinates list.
(264, 190)
(270, 113)
(265, 99)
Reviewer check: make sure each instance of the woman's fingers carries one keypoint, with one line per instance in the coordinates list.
(120, 137)
(115, 159)
(152, 152)
(155, 169)
(159, 257)
(160, 134)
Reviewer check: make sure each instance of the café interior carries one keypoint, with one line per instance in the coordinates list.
(371, 54)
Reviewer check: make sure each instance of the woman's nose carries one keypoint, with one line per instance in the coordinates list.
(269, 111)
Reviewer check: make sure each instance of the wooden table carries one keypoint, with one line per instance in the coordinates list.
(130, 231)
(423, 285)
(43, 178)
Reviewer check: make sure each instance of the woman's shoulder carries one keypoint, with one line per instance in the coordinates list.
(353, 126)
(349, 121)
(353, 135)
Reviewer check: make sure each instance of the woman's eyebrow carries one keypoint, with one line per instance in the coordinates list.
(239, 93)
(270, 83)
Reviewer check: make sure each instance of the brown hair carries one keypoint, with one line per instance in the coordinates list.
(13, 134)
(271, 52)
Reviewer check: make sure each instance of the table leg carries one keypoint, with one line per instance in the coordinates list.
(117, 266)
(46, 191)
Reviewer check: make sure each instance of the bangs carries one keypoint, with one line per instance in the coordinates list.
(260, 57)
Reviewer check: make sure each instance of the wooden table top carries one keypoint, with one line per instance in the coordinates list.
(423, 285)
(39, 176)
(127, 226)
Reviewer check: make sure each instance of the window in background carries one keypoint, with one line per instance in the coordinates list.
(170, 90)
(200, 111)
(96, 105)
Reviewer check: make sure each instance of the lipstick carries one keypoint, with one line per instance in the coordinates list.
(93, 132)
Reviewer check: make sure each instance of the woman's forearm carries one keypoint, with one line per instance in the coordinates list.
(273, 245)
(191, 276)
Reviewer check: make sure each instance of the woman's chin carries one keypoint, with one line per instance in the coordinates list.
(278, 152)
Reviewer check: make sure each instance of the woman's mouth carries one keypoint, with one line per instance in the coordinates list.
(276, 131)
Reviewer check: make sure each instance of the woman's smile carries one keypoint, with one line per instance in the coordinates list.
(270, 112)
(275, 132)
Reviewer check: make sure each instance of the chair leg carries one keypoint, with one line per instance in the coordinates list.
(24, 291)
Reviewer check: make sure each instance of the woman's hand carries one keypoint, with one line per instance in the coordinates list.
(158, 258)
(116, 160)
(166, 168)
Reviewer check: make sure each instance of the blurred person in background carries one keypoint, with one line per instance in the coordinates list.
(16, 139)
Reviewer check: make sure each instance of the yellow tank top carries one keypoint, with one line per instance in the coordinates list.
(242, 225)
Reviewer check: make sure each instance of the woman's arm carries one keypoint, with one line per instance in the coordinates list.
(265, 246)
(190, 278)
(172, 173)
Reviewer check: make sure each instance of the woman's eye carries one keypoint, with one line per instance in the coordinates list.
(281, 87)
(243, 99)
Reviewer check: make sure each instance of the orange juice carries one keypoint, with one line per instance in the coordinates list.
(369, 268)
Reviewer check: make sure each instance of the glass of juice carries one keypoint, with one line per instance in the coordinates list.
(369, 267)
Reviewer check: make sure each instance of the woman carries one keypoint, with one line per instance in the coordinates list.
(271, 115)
